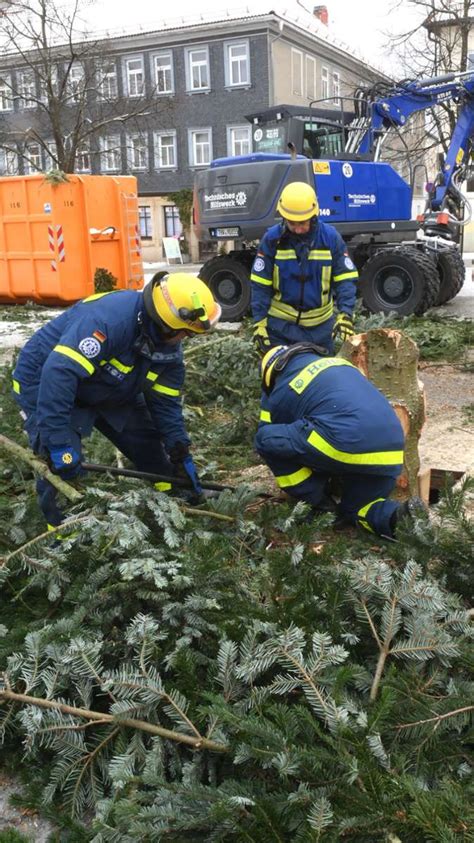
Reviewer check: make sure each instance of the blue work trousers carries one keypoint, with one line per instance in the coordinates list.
(138, 441)
(365, 489)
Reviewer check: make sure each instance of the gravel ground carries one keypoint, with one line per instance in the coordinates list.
(27, 822)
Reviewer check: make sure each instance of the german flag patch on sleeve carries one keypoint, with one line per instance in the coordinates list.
(99, 336)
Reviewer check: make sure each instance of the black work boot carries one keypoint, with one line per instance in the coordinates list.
(325, 505)
(413, 508)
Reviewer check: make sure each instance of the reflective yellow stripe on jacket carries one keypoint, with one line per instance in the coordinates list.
(76, 356)
(16, 386)
(286, 480)
(345, 275)
(299, 383)
(158, 387)
(307, 318)
(368, 458)
(265, 416)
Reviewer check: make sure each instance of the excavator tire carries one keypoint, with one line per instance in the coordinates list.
(403, 280)
(229, 281)
(451, 272)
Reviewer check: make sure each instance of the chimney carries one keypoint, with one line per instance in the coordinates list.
(321, 13)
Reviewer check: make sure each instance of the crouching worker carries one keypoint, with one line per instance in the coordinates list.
(322, 418)
(114, 362)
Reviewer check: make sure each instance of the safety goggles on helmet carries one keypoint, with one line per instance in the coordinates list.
(180, 303)
(278, 358)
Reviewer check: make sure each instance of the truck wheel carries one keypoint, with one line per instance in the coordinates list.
(451, 272)
(403, 281)
(229, 282)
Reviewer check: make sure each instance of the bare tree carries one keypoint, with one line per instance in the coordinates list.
(60, 90)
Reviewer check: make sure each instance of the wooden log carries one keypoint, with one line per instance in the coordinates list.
(389, 358)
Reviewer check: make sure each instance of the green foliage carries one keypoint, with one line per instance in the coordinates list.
(336, 672)
(55, 177)
(10, 835)
(183, 199)
(104, 281)
(437, 338)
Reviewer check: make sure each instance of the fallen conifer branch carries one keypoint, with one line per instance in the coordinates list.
(85, 713)
(40, 467)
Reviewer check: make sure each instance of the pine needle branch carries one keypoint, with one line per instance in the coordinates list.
(141, 725)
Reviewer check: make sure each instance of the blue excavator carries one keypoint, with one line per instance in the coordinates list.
(406, 265)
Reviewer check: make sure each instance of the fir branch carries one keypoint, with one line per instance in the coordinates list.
(61, 528)
(40, 467)
(437, 719)
(141, 725)
(204, 513)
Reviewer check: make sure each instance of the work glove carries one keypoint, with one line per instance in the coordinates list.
(343, 327)
(260, 337)
(183, 465)
(65, 462)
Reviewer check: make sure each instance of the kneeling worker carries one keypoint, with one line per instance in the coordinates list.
(322, 418)
(113, 361)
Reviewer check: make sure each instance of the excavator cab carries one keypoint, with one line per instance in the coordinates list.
(313, 132)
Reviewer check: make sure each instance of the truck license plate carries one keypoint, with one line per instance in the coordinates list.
(227, 232)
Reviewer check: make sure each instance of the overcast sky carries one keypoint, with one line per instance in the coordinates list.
(359, 23)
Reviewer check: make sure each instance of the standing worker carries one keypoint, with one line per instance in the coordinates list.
(302, 266)
(322, 418)
(114, 361)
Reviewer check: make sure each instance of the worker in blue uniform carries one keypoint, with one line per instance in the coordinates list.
(321, 418)
(113, 362)
(301, 268)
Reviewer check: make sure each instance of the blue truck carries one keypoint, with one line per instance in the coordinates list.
(406, 265)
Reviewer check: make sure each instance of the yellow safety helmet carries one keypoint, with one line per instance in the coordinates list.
(268, 362)
(181, 302)
(298, 202)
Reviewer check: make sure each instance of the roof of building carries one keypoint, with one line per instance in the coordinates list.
(295, 15)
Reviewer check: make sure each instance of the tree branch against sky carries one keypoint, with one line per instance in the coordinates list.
(61, 78)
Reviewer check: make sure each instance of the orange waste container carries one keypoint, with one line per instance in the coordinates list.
(54, 237)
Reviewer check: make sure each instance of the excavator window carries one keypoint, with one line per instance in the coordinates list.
(322, 141)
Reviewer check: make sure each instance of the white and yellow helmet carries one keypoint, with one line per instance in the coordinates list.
(181, 302)
(267, 365)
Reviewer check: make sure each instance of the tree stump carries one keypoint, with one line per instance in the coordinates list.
(389, 359)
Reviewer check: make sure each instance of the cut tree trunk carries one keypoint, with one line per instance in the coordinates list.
(390, 360)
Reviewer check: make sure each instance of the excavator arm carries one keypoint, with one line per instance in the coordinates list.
(395, 108)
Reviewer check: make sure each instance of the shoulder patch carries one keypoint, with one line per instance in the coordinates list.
(259, 264)
(89, 347)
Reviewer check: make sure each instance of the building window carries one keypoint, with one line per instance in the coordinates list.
(27, 88)
(8, 162)
(237, 63)
(137, 152)
(297, 72)
(238, 140)
(83, 159)
(165, 150)
(173, 227)
(324, 83)
(163, 66)
(310, 67)
(135, 77)
(6, 101)
(200, 147)
(32, 159)
(107, 81)
(197, 69)
(50, 156)
(144, 218)
(75, 83)
(336, 87)
(110, 156)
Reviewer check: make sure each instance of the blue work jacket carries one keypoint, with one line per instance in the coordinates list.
(297, 277)
(95, 359)
(323, 410)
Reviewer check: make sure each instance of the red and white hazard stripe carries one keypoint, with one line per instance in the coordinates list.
(52, 247)
(137, 241)
(60, 239)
